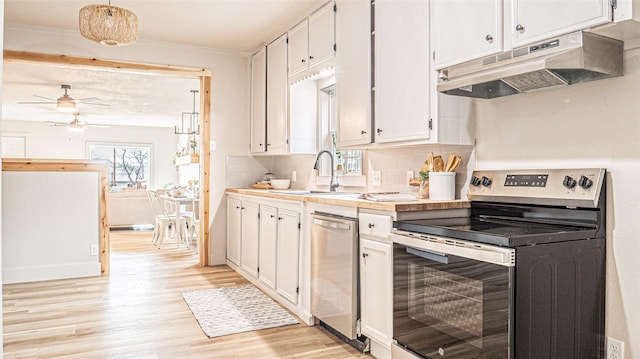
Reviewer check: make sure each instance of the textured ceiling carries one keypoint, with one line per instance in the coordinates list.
(134, 99)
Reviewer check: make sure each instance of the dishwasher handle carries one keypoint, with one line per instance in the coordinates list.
(331, 224)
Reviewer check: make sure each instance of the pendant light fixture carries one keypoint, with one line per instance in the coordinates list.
(108, 25)
(190, 123)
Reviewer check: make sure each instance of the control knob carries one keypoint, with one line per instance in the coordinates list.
(569, 182)
(486, 181)
(475, 181)
(585, 182)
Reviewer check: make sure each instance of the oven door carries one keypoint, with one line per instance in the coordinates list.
(452, 298)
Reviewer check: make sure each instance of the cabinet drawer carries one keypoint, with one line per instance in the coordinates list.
(374, 225)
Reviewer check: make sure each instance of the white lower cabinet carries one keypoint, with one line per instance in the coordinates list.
(234, 229)
(376, 282)
(288, 255)
(250, 237)
(268, 245)
(279, 250)
(263, 244)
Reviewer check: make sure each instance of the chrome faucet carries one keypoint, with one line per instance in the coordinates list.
(334, 183)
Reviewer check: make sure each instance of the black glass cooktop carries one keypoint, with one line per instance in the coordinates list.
(502, 232)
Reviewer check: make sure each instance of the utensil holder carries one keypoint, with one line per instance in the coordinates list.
(442, 186)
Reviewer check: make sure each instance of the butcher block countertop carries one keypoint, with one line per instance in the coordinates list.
(352, 200)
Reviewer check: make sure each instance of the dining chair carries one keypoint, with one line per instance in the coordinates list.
(164, 220)
(194, 229)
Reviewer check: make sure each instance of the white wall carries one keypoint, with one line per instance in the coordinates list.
(44, 141)
(588, 125)
(229, 95)
(68, 225)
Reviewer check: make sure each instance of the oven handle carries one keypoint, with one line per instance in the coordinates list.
(434, 256)
(476, 251)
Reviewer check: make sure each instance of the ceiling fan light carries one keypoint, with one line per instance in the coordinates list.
(66, 106)
(108, 25)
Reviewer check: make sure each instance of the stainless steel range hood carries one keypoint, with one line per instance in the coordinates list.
(564, 60)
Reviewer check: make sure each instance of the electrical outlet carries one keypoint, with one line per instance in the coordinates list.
(94, 249)
(615, 348)
(409, 177)
(375, 178)
(294, 176)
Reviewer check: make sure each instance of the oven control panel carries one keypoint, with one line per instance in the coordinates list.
(579, 187)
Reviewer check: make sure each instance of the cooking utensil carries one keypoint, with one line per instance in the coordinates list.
(438, 164)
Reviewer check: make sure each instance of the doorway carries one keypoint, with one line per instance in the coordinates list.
(202, 75)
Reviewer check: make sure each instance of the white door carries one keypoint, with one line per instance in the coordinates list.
(268, 245)
(277, 89)
(288, 254)
(402, 71)
(353, 72)
(234, 229)
(321, 35)
(535, 20)
(250, 237)
(463, 30)
(376, 286)
(258, 101)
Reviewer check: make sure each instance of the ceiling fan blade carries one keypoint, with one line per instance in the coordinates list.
(95, 104)
(46, 98)
(35, 103)
(52, 123)
(89, 98)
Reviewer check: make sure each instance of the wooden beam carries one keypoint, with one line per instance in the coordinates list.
(62, 165)
(205, 167)
(85, 62)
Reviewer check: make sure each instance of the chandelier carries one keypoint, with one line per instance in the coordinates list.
(108, 25)
(190, 124)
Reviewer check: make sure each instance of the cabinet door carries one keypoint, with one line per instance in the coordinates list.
(250, 237)
(402, 71)
(234, 229)
(463, 30)
(268, 245)
(288, 254)
(258, 101)
(321, 35)
(353, 72)
(298, 48)
(376, 288)
(277, 87)
(534, 20)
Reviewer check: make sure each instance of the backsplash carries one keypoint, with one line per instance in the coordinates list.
(393, 164)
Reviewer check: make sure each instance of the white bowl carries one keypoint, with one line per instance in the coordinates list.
(280, 183)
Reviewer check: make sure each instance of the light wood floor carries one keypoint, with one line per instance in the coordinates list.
(138, 312)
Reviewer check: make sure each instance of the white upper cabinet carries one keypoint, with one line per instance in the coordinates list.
(401, 71)
(258, 100)
(353, 72)
(299, 48)
(322, 35)
(277, 99)
(463, 30)
(529, 21)
(311, 42)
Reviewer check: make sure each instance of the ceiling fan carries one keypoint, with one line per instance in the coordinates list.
(66, 103)
(76, 124)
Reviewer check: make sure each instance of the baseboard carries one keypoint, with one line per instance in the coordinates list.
(36, 274)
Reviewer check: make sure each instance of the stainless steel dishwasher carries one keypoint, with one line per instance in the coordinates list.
(334, 272)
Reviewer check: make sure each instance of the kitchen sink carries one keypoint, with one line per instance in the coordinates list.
(313, 193)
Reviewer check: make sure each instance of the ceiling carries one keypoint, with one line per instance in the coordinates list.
(137, 99)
